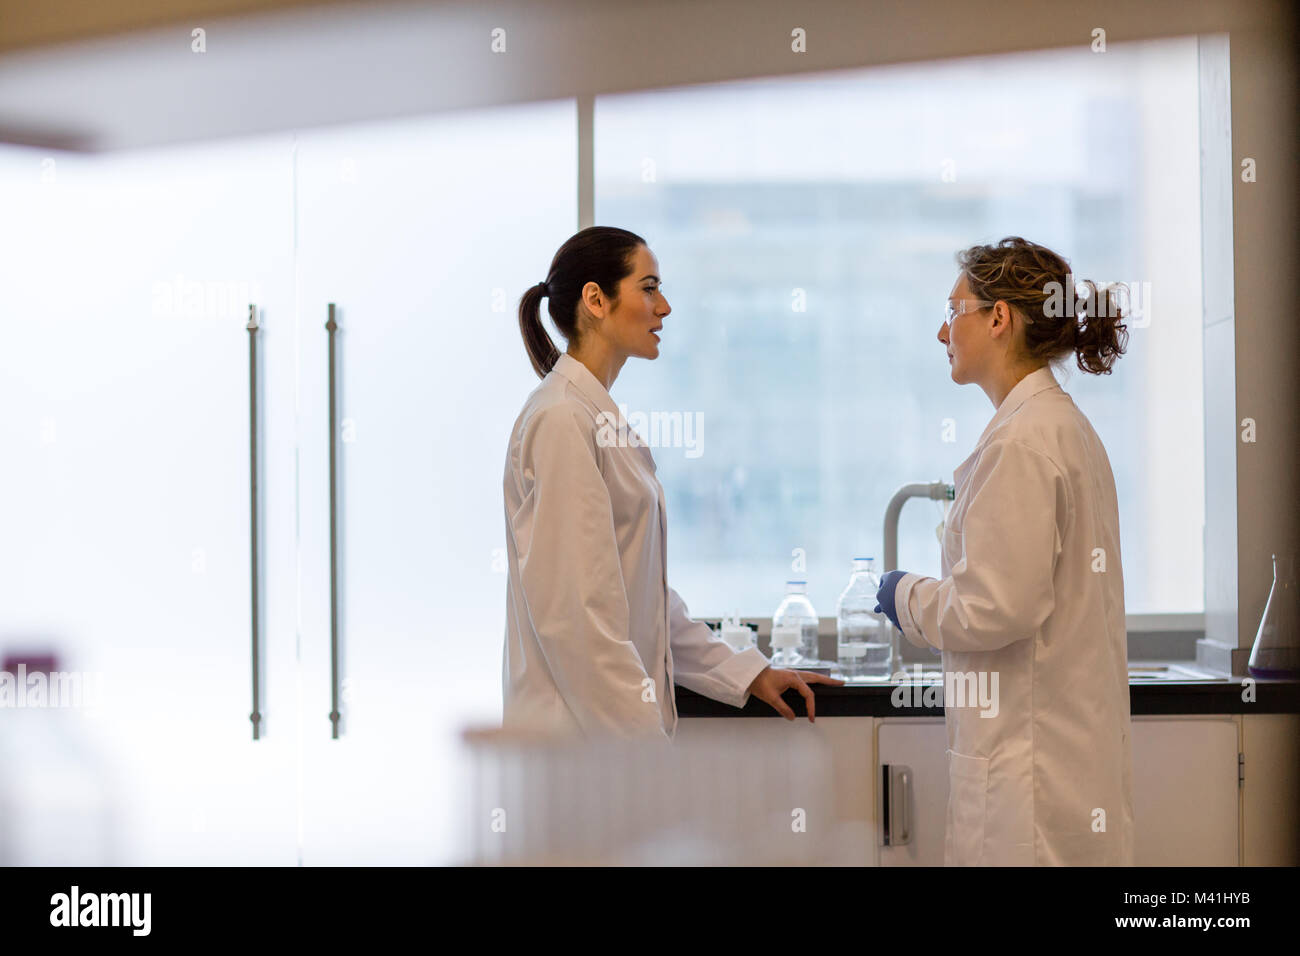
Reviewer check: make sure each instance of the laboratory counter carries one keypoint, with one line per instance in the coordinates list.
(1152, 691)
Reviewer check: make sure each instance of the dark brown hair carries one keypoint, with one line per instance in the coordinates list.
(1021, 274)
(599, 254)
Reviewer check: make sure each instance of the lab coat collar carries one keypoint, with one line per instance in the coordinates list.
(580, 376)
(1036, 381)
(585, 382)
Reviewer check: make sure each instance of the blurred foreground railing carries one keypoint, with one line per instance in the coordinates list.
(533, 800)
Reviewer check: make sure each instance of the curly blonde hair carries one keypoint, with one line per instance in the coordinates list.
(1031, 278)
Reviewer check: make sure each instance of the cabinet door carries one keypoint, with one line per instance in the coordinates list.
(423, 233)
(125, 501)
(1173, 758)
(919, 744)
(1185, 794)
(770, 792)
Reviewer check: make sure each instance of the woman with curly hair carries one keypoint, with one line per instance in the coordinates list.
(1030, 603)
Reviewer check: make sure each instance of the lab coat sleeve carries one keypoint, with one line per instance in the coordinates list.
(1000, 586)
(705, 663)
(573, 579)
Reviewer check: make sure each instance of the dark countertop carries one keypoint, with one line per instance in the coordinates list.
(1145, 697)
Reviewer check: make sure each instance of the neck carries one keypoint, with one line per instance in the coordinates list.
(1000, 384)
(600, 358)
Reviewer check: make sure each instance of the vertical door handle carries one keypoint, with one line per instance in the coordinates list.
(252, 327)
(331, 326)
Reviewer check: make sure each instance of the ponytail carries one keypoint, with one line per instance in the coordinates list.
(1101, 336)
(541, 350)
(599, 254)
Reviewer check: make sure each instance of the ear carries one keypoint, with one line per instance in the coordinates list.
(593, 299)
(1001, 324)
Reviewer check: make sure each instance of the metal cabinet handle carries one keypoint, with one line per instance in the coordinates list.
(895, 804)
(252, 326)
(904, 802)
(331, 326)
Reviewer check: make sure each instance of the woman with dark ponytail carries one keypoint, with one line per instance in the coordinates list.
(595, 637)
(1031, 594)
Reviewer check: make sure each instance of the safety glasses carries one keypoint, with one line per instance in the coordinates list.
(962, 306)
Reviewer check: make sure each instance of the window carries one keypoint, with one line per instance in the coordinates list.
(806, 230)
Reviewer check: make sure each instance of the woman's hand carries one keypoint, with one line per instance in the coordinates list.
(772, 681)
(885, 596)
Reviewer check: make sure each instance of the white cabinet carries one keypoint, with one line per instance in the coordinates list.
(1185, 793)
(1270, 795)
(920, 799)
(823, 769)
(1185, 790)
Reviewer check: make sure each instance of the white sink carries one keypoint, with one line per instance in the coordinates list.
(1137, 673)
(1179, 672)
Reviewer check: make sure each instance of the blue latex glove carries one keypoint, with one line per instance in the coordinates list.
(885, 596)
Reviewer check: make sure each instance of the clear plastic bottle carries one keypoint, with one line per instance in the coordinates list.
(863, 640)
(794, 628)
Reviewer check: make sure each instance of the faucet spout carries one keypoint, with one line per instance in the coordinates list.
(937, 490)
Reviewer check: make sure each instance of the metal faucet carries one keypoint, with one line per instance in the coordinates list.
(939, 491)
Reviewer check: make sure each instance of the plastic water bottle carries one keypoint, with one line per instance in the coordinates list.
(794, 628)
(863, 638)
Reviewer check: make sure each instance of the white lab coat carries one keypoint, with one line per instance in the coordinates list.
(595, 638)
(1033, 590)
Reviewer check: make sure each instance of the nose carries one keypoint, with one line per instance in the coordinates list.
(943, 333)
